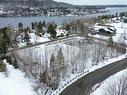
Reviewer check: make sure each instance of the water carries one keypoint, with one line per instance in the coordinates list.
(57, 19)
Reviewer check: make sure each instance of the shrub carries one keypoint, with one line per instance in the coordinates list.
(14, 63)
(2, 67)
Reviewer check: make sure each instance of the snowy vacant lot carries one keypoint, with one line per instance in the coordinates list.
(52, 64)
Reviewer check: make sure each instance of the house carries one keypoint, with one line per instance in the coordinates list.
(61, 32)
(107, 31)
(103, 29)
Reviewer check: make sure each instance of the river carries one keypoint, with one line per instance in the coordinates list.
(57, 19)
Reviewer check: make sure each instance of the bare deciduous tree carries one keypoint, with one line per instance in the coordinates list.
(118, 86)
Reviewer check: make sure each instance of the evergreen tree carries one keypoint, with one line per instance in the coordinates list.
(26, 37)
(53, 63)
(122, 14)
(125, 21)
(32, 24)
(44, 24)
(5, 41)
(3, 67)
(44, 77)
(10, 33)
(6, 36)
(67, 27)
(3, 48)
(20, 26)
(52, 31)
(61, 64)
(60, 57)
(116, 15)
(39, 27)
(126, 14)
(54, 71)
(28, 29)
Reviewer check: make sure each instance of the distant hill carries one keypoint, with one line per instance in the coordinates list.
(115, 5)
(38, 3)
(52, 3)
(46, 4)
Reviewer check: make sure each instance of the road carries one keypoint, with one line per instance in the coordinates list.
(47, 42)
(83, 85)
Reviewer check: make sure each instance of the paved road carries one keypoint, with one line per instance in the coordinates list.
(84, 84)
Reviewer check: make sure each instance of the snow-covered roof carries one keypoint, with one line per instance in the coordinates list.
(61, 31)
(108, 28)
(47, 35)
(33, 31)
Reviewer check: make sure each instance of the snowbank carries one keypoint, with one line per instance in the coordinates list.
(15, 83)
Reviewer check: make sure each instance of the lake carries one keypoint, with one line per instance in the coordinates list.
(57, 19)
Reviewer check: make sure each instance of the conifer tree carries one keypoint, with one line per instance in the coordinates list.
(39, 27)
(44, 24)
(52, 31)
(54, 71)
(26, 37)
(20, 26)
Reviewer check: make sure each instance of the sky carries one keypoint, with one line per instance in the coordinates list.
(94, 2)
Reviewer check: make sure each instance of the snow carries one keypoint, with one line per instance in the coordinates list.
(70, 48)
(36, 39)
(112, 80)
(61, 32)
(33, 39)
(46, 35)
(42, 39)
(15, 83)
(22, 45)
(121, 30)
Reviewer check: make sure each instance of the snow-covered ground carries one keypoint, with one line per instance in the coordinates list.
(34, 39)
(15, 83)
(113, 85)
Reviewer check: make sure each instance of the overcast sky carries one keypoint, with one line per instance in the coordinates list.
(94, 2)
